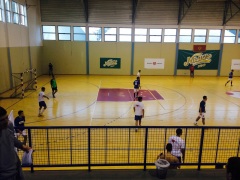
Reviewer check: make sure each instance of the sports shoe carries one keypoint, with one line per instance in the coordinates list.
(195, 123)
(40, 115)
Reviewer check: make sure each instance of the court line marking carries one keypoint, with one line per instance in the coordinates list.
(94, 105)
(155, 98)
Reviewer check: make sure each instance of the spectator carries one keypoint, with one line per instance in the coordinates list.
(20, 128)
(10, 165)
(169, 157)
(233, 168)
(178, 145)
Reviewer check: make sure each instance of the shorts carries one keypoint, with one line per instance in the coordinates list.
(138, 118)
(136, 90)
(202, 115)
(24, 133)
(42, 104)
(54, 89)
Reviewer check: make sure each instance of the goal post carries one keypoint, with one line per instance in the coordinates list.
(20, 83)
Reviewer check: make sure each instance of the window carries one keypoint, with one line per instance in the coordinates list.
(170, 35)
(238, 36)
(155, 35)
(200, 35)
(64, 33)
(15, 12)
(185, 35)
(8, 11)
(1, 10)
(95, 34)
(49, 33)
(79, 33)
(214, 36)
(140, 35)
(110, 34)
(22, 15)
(125, 34)
(230, 36)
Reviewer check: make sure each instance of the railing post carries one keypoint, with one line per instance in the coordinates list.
(30, 145)
(219, 131)
(89, 150)
(200, 150)
(145, 149)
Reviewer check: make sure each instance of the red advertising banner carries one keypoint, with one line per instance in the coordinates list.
(199, 48)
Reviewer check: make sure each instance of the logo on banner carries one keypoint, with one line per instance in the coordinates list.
(110, 63)
(198, 59)
(154, 63)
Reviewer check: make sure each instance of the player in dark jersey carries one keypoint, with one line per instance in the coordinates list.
(230, 77)
(136, 85)
(202, 111)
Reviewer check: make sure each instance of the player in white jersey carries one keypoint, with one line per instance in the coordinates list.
(178, 145)
(139, 112)
(41, 101)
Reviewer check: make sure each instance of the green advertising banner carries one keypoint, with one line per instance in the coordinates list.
(110, 63)
(206, 60)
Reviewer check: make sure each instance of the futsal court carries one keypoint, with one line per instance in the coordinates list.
(108, 101)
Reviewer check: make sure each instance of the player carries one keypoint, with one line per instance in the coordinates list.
(54, 86)
(202, 111)
(138, 75)
(41, 101)
(191, 68)
(136, 85)
(230, 77)
(138, 109)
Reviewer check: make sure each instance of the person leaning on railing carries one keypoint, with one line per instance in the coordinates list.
(173, 160)
(10, 165)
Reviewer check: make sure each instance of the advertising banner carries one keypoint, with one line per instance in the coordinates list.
(110, 63)
(235, 64)
(154, 63)
(207, 60)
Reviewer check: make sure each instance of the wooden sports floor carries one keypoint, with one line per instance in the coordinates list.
(76, 102)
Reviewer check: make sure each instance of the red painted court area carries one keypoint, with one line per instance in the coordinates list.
(126, 95)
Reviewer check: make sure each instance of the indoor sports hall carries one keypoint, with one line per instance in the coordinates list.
(96, 49)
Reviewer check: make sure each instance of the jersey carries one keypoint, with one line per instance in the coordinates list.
(177, 144)
(138, 74)
(230, 75)
(19, 123)
(138, 108)
(40, 96)
(53, 83)
(202, 106)
(136, 84)
(191, 68)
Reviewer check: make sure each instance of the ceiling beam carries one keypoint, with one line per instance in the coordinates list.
(230, 10)
(184, 6)
(134, 10)
(85, 7)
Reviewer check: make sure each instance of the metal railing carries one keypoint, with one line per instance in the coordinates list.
(121, 146)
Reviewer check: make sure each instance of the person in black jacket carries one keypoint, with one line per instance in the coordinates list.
(10, 165)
